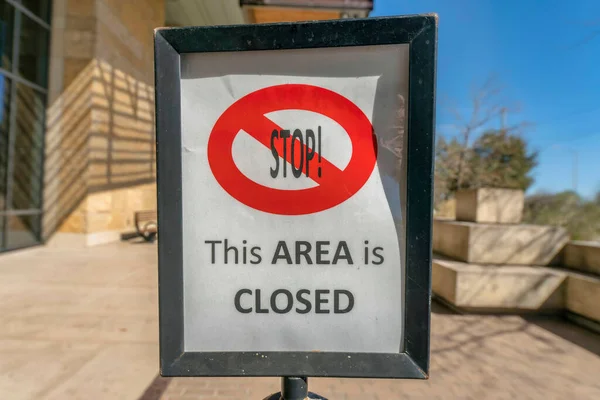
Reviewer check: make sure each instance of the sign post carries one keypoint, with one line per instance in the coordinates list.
(295, 166)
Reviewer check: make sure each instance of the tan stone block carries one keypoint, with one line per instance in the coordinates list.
(498, 244)
(116, 38)
(98, 182)
(98, 170)
(97, 222)
(70, 117)
(143, 147)
(98, 155)
(141, 156)
(66, 176)
(76, 98)
(135, 200)
(129, 127)
(107, 221)
(149, 198)
(101, 115)
(131, 168)
(79, 44)
(99, 202)
(446, 209)
(73, 67)
(125, 121)
(120, 80)
(145, 114)
(101, 129)
(516, 244)
(67, 196)
(100, 99)
(451, 239)
(81, 7)
(109, 78)
(119, 221)
(489, 205)
(133, 135)
(499, 288)
(100, 86)
(124, 98)
(119, 197)
(124, 108)
(98, 142)
(80, 23)
(142, 177)
(74, 223)
(583, 295)
(583, 256)
(145, 93)
(443, 281)
(141, 197)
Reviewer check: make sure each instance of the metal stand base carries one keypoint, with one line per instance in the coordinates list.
(294, 388)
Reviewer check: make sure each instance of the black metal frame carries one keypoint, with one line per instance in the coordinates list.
(420, 32)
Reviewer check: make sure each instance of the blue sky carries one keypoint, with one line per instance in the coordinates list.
(546, 55)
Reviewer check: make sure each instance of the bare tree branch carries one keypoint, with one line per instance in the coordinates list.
(487, 107)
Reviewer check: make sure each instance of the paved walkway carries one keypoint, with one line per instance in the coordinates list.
(78, 324)
(472, 357)
(82, 324)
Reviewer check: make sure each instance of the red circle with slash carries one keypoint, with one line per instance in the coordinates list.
(334, 185)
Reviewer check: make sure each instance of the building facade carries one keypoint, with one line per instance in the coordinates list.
(77, 142)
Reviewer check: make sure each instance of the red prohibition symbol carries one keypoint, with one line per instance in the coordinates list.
(334, 186)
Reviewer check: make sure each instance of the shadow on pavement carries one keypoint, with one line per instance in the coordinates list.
(577, 335)
(554, 324)
(156, 388)
(439, 308)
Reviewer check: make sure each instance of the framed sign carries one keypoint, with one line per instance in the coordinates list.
(295, 166)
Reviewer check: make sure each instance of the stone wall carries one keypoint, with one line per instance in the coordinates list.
(100, 153)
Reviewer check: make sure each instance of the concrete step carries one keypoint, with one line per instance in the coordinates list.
(515, 288)
(582, 256)
(583, 295)
(498, 288)
(499, 244)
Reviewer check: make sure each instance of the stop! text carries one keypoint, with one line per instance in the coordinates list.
(299, 148)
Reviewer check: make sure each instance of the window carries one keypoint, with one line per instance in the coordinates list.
(24, 47)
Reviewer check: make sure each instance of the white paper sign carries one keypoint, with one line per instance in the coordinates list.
(293, 177)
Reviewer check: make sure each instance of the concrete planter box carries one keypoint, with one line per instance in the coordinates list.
(498, 206)
(498, 244)
(494, 288)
